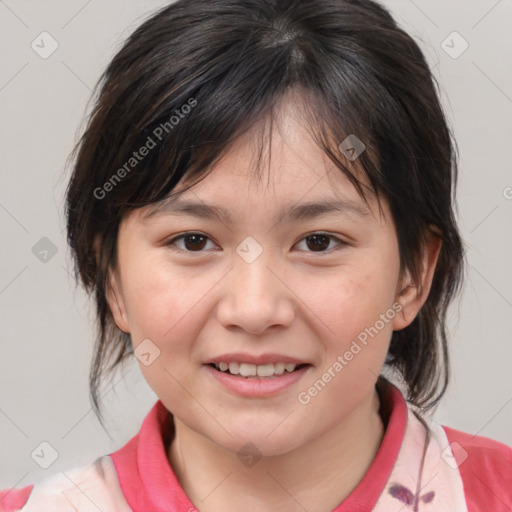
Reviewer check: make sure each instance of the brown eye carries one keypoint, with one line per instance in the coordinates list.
(320, 242)
(192, 242)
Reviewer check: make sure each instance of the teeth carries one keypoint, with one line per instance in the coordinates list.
(247, 370)
(252, 370)
(265, 370)
(279, 368)
(234, 368)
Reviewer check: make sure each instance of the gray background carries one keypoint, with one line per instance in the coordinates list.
(47, 331)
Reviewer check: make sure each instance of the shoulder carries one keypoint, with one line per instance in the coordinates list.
(485, 467)
(13, 499)
(81, 489)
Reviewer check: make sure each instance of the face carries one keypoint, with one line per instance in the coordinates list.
(303, 296)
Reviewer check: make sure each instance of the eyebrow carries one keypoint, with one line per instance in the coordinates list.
(295, 212)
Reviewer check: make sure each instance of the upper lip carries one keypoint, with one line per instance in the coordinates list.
(253, 359)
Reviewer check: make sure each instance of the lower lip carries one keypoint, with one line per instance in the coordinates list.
(255, 387)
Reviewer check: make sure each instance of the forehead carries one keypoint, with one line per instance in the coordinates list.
(272, 165)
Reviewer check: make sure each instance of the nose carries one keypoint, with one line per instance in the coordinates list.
(255, 297)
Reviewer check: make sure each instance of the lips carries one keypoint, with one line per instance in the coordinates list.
(256, 386)
(238, 357)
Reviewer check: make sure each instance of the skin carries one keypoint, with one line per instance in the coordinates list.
(291, 300)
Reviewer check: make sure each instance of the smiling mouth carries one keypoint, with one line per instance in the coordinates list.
(253, 371)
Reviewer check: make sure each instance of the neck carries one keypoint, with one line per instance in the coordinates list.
(316, 476)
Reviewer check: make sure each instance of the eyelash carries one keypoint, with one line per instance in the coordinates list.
(172, 242)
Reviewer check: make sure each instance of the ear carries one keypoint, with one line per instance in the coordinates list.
(115, 301)
(113, 293)
(410, 295)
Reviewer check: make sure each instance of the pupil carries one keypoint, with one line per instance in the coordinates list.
(198, 242)
(320, 241)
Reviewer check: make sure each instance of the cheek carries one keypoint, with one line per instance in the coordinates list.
(163, 305)
(356, 303)
(161, 299)
(357, 308)
(351, 300)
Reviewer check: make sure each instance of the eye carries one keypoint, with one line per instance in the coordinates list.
(321, 242)
(190, 242)
(197, 242)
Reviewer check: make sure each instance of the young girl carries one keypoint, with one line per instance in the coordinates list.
(261, 205)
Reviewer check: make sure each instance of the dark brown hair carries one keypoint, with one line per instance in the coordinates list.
(199, 73)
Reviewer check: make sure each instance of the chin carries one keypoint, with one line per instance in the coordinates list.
(259, 446)
(264, 439)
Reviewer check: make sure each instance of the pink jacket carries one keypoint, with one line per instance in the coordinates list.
(461, 473)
